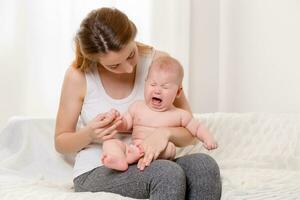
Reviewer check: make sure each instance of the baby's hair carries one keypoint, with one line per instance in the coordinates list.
(170, 65)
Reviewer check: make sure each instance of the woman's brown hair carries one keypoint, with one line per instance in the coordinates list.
(103, 30)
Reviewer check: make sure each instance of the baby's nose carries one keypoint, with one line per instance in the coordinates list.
(157, 90)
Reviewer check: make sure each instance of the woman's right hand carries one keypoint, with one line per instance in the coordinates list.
(103, 126)
(153, 145)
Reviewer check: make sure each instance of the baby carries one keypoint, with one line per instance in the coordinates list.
(163, 84)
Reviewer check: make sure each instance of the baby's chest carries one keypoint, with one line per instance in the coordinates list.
(157, 119)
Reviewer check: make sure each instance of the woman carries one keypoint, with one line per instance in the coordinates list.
(109, 72)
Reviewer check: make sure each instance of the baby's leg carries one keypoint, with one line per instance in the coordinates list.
(113, 156)
(133, 153)
(169, 153)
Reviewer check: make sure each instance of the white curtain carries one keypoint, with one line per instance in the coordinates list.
(245, 56)
(36, 45)
(259, 56)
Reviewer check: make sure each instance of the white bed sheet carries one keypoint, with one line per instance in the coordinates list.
(258, 154)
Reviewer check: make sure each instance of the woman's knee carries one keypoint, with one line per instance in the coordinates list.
(202, 166)
(169, 180)
(200, 161)
(78, 184)
(169, 170)
(203, 176)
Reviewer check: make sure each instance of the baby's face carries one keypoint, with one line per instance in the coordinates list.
(161, 90)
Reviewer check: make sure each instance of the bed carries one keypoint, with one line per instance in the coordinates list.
(258, 155)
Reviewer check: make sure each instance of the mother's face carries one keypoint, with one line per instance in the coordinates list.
(123, 61)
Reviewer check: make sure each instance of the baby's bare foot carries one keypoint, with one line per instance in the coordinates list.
(133, 153)
(114, 162)
(210, 144)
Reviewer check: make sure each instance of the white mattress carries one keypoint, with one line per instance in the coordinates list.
(259, 157)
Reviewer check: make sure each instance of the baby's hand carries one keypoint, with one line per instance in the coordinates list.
(115, 114)
(103, 126)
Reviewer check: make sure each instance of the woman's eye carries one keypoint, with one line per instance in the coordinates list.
(114, 66)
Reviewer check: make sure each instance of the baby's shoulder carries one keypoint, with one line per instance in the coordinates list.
(137, 105)
(159, 54)
(184, 115)
(181, 111)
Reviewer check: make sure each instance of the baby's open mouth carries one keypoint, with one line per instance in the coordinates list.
(156, 100)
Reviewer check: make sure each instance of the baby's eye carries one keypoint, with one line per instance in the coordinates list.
(153, 84)
(165, 86)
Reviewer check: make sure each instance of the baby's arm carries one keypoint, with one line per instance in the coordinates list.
(198, 130)
(126, 124)
(127, 118)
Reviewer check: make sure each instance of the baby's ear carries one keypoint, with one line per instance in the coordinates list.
(179, 92)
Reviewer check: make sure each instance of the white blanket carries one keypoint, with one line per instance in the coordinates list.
(259, 157)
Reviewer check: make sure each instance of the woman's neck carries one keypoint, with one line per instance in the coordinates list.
(118, 86)
(117, 77)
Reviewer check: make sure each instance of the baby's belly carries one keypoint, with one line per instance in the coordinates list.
(141, 132)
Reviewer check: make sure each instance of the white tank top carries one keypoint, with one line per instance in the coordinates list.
(98, 101)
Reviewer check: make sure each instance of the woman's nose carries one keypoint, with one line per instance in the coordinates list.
(128, 67)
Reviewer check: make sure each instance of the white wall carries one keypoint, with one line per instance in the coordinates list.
(170, 31)
(244, 54)
(36, 45)
(204, 53)
(258, 56)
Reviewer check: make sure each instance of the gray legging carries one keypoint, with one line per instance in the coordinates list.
(195, 176)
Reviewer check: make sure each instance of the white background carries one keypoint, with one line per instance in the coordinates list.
(239, 55)
(245, 56)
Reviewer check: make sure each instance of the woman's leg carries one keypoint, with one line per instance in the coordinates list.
(202, 176)
(162, 180)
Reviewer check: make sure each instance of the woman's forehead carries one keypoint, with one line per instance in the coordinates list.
(113, 57)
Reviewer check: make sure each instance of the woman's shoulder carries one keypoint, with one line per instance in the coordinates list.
(74, 75)
(159, 54)
(75, 80)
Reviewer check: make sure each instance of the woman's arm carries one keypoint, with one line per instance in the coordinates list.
(180, 136)
(72, 94)
(67, 139)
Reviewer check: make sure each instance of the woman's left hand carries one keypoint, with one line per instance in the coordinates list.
(152, 146)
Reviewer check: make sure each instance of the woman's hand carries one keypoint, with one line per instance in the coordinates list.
(103, 126)
(152, 146)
